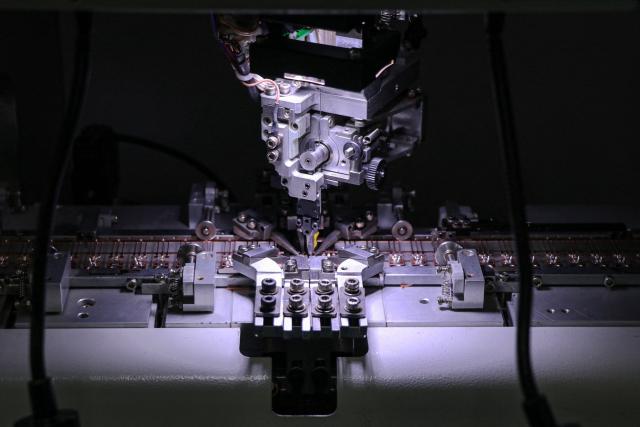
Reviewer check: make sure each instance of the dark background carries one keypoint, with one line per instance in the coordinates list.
(574, 81)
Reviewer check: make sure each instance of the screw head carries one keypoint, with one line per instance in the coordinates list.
(352, 286)
(291, 265)
(537, 282)
(609, 282)
(273, 141)
(328, 266)
(325, 303)
(325, 286)
(353, 305)
(272, 156)
(268, 285)
(296, 303)
(296, 285)
(267, 303)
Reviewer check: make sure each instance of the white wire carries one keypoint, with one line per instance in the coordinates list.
(382, 70)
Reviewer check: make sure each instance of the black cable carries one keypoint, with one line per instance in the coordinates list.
(41, 392)
(162, 308)
(171, 152)
(535, 405)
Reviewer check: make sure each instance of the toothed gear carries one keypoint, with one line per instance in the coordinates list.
(375, 173)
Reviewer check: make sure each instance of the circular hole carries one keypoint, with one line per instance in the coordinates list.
(551, 310)
(307, 186)
(268, 298)
(344, 267)
(83, 315)
(86, 302)
(294, 126)
(267, 121)
(285, 181)
(566, 310)
(424, 301)
(200, 278)
(305, 193)
(295, 298)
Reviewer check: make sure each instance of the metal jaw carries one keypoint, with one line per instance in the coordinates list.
(463, 282)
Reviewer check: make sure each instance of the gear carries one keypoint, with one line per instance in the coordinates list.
(375, 173)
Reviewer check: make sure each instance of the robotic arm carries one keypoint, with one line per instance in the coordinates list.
(341, 101)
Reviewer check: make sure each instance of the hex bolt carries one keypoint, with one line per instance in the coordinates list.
(374, 250)
(325, 303)
(328, 266)
(609, 282)
(296, 303)
(537, 282)
(252, 224)
(268, 285)
(267, 303)
(353, 305)
(242, 217)
(242, 249)
(324, 286)
(291, 265)
(352, 286)
(296, 286)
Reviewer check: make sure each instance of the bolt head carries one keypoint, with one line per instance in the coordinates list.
(291, 265)
(609, 282)
(296, 303)
(328, 266)
(325, 303)
(353, 305)
(537, 282)
(273, 141)
(352, 286)
(267, 303)
(268, 285)
(296, 285)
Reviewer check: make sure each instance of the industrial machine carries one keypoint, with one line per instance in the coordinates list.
(305, 277)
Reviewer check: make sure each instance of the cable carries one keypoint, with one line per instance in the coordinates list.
(43, 403)
(171, 152)
(535, 405)
(260, 81)
(382, 70)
